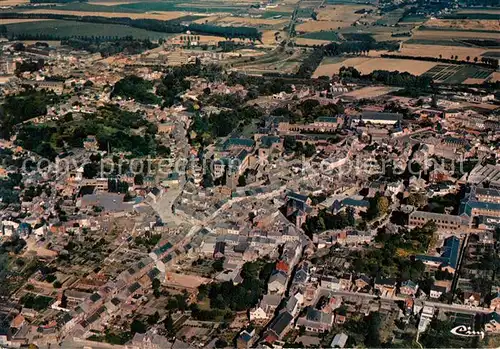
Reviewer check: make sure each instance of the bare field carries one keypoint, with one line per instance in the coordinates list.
(311, 42)
(21, 20)
(317, 26)
(268, 37)
(445, 51)
(332, 17)
(371, 92)
(472, 81)
(163, 16)
(367, 65)
(111, 3)
(247, 21)
(13, 2)
(452, 34)
(470, 24)
(344, 13)
(495, 77)
(479, 10)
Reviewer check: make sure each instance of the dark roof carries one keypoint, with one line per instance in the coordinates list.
(95, 297)
(281, 322)
(371, 115)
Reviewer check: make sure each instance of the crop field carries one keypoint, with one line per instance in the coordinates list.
(21, 20)
(325, 35)
(491, 54)
(371, 92)
(367, 65)
(12, 2)
(164, 16)
(58, 28)
(252, 22)
(445, 51)
(446, 34)
(391, 18)
(457, 74)
(468, 24)
(333, 17)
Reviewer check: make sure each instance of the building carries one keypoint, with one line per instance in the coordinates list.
(378, 118)
(448, 259)
(444, 222)
(316, 321)
(278, 327)
(339, 341)
(408, 288)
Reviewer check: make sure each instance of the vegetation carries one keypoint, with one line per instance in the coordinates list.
(27, 104)
(136, 88)
(112, 127)
(109, 46)
(243, 296)
(227, 32)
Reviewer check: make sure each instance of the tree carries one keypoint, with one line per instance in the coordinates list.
(57, 284)
(242, 181)
(382, 205)
(169, 325)
(475, 59)
(467, 58)
(153, 319)
(137, 326)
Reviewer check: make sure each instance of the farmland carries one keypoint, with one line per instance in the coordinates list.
(333, 17)
(468, 24)
(367, 65)
(58, 28)
(164, 16)
(457, 74)
(445, 51)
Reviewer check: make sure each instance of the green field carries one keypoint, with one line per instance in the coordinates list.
(456, 74)
(413, 19)
(391, 18)
(326, 35)
(437, 42)
(61, 29)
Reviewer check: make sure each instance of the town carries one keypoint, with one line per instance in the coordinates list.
(173, 195)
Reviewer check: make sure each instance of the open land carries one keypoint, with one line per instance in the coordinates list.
(430, 34)
(73, 28)
(445, 51)
(370, 92)
(163, 16)
(469, 24)
(367, 65)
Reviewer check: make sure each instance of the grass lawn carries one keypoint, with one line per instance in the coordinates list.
(325, 35)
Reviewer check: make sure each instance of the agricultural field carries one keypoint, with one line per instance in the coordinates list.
(446, 34)
(391, 18)
(367, 65)
(252, 22)
(333, 17)
(446, 51)
(71, 28)
(467, 24)
(21, 20)
(370, 92)
(163, 16)
(13, 2)
(458, 74)
(327, 36)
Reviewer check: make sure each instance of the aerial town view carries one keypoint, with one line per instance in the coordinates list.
(249, 174)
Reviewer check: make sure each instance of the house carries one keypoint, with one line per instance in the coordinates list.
(345, 282)
(293, 305)
(437, 291)
(448, 260)
(492, 324)
(362, 282)
(330, 282)
(408, 288)
(283, 266)
(408, 307)
(339, 341)
(278, 327)
(277, 282)
(495, 303)
(386, 287)
(245, 339)
(297, 206)
(219, 249)
(316, 321)
(472, 299)
(257, 314)
(302, 273)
